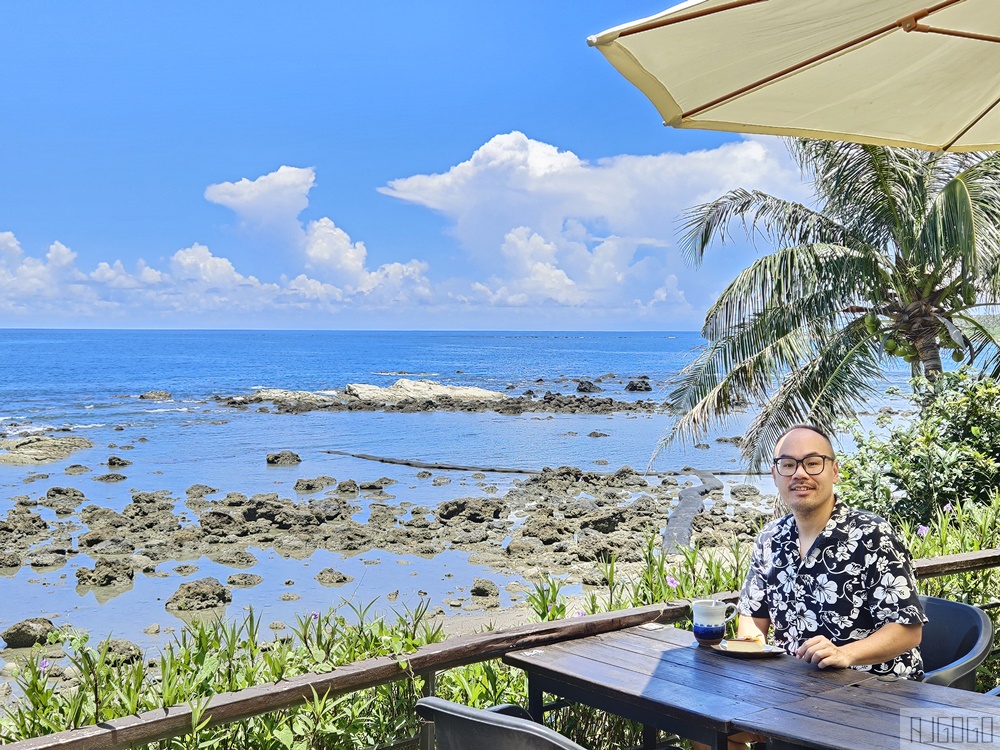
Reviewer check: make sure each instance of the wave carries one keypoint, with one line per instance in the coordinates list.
(404, 373)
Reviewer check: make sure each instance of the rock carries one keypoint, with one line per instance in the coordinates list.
(112, 477)
(745, 492)
(331, 577)
(348, 487)
(76, 469)
(594, 578)
(284, 458)
(244, 580)
(314, 485)
(290, 597)
(28, 632)
(38, 449)
(114, 462)
(424, 475)
(186, 570)
(106, 573)
(122, 652)
(10, 560)
(153, 629)
(597, 434)
(63, 495)
(418, 390)
(484, 587)
(378, 484)
(586, 386)
(233, 558)
(441, 481)
(206, 593)
(156, 396)
(200, 490)
(638, 386)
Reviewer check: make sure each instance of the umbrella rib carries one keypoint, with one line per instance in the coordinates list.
(908, 23)
(971, 125)
(954, 32)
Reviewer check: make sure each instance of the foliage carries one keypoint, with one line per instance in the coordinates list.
(903, 247)
(215, 657)
(948, 455)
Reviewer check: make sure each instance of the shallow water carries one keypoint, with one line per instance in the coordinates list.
(88, 383)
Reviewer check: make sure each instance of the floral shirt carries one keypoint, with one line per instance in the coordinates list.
(855, 578)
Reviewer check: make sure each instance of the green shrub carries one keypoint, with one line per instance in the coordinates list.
(947, 455)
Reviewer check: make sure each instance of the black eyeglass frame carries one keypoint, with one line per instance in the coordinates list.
(802, 462)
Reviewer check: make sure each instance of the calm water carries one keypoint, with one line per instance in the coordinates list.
(88, 383)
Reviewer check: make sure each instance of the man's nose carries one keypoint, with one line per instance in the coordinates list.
(800, 466)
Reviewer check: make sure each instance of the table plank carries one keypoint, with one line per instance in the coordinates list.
(869, 716)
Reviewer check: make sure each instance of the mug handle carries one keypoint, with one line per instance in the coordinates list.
(730, 615)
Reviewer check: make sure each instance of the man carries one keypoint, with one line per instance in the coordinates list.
(836, 584)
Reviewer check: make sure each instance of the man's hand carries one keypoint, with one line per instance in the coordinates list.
(819, 650)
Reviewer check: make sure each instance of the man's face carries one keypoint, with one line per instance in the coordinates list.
(803, 492)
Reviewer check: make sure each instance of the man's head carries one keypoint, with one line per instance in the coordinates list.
(805, 470)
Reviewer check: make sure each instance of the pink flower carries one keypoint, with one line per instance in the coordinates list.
(922, 530)
(673, 582)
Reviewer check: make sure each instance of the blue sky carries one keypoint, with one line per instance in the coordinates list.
(348, 165)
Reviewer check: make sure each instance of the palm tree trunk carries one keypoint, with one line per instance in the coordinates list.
(929, 352)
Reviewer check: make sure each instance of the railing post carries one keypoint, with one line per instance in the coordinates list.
(427, 728)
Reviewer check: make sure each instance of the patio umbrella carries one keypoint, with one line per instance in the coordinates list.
(887, 72)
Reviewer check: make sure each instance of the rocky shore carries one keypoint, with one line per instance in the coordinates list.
(562, 521)
(425, 395)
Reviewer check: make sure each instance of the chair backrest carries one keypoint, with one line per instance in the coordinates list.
(458, 727)
(956, 639)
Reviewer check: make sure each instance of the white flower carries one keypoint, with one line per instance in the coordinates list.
(892, 589)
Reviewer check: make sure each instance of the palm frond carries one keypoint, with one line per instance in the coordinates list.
(828, 278)
(829, 387)
(780, 221)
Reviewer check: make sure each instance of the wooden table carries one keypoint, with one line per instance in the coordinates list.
(662, 679)
(876, 715)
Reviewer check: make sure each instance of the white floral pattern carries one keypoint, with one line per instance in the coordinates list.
(856, 577)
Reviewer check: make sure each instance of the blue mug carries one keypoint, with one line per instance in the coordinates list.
(710, 618)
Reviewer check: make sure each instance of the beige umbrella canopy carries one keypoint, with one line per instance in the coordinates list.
(887, 72)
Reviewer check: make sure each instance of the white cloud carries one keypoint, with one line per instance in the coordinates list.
(10, 248)
(543, 230)
(275, 198)
(197, 264)
(545, 226)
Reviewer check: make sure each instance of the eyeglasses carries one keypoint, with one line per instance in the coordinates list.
(813, 465)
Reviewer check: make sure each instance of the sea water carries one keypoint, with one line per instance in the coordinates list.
(87, 383)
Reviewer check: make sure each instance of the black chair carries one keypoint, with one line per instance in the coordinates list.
(458, 727)
(507, 727)
(956, 639)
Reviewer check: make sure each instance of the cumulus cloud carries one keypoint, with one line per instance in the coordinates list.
(547, 226)
(540, 227)
(275, 198)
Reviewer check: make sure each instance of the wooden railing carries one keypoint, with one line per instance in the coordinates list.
(426, 662)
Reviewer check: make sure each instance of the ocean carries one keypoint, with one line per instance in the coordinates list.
(87, 383)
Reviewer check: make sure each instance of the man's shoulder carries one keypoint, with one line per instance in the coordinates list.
(864, 520)
(858, 516)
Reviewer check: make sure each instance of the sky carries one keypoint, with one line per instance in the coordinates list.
(349, 165)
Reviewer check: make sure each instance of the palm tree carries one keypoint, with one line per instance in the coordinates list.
(903, 245)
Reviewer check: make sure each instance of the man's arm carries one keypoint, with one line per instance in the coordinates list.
(888, 642)
(753, 627)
